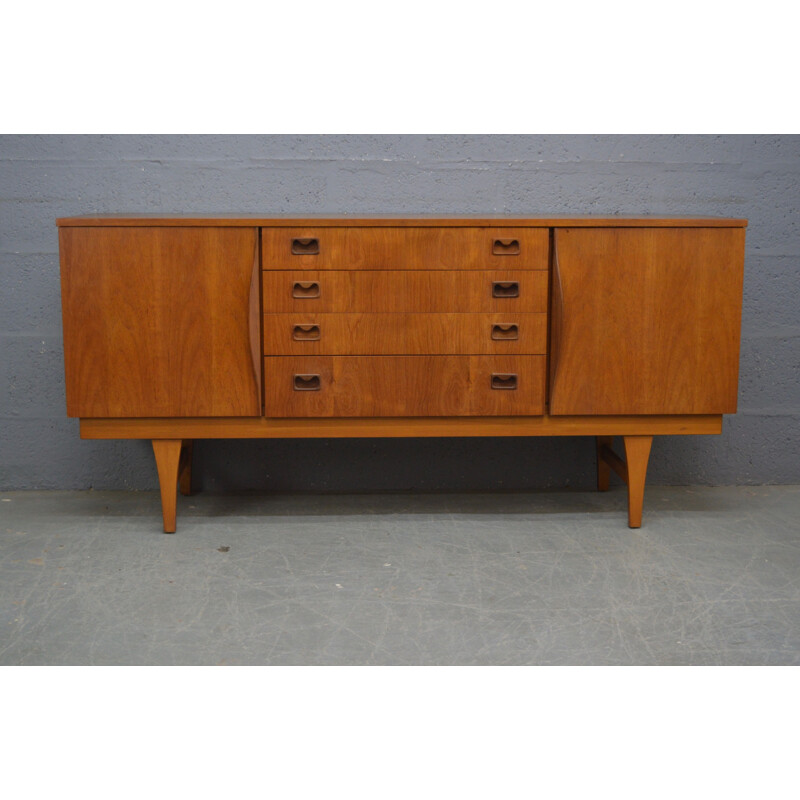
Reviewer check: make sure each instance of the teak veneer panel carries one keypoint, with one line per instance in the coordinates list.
(646, 321)
(405, 248)
(404, 334)
(403, 386)
(157, 322)
(429, 291)
(388, 220)
(429, 427)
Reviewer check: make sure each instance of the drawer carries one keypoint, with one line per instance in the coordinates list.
(405, 290)
(404, 386)
(404, 248)
(404, 334)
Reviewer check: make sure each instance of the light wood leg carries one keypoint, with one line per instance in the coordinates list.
(637, 453)
(603, 469)
(185, 468)
(168, 456)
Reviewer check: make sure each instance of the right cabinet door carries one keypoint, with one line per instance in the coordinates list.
(646, 320)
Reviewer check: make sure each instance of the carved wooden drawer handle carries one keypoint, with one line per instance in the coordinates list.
(306, 383)
(305, 290)
(505, 247)
(505, 289)
(305, 247)
(306, 333)
(504, 380)
(507, 332)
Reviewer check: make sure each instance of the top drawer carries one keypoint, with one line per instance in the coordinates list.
(404, 248)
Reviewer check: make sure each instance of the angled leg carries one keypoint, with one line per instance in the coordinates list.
(603, 469)
(185, 468)
(637, 453)
(168, 455)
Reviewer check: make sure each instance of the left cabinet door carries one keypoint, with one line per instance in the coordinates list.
(161, 322)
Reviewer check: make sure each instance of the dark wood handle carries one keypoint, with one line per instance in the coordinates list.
(305, 247)
(505, 289)
(305, 290)
(307, 383)
(504, 380)
(505, 247)
(505, 332)
(306, 333)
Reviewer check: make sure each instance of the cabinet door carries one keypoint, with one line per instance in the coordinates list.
(161, 322)
(646, 320)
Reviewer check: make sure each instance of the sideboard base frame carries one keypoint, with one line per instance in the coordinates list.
(390, 427)
(172, 440)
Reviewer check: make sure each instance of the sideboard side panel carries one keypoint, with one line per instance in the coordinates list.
(157, 322)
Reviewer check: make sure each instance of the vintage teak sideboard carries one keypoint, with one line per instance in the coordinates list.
(183, 328)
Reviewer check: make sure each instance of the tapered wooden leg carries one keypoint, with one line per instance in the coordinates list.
(168, 456)
(603, 469)
(185, 468)
(637, 453)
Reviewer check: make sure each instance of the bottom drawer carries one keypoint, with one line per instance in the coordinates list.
(403, 386)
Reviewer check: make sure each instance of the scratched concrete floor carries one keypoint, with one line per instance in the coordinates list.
(543, 578)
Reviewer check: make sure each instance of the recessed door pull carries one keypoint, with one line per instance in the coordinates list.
(305, 290)
(505, 332)
(305, 247)
(505, 247)
(504, 380)
(306, 333)
(306, 383)
(505, 289)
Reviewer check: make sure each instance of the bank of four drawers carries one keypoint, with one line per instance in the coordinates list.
(404, 322)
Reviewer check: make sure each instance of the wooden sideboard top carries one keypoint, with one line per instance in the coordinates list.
(230, 220)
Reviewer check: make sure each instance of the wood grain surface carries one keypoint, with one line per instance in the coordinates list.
(646, 321)
(405, 248)
(404, 334)
(354, 427)
(408, 386)
(388, 220)
(404, 290)
(157, 322)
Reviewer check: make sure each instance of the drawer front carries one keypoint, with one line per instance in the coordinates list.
(404, 386)
(405, 290)
(404, 248)
(404, 334)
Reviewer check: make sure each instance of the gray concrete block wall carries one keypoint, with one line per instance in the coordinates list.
(44, 177)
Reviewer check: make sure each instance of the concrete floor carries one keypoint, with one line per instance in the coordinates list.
(713, 577)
